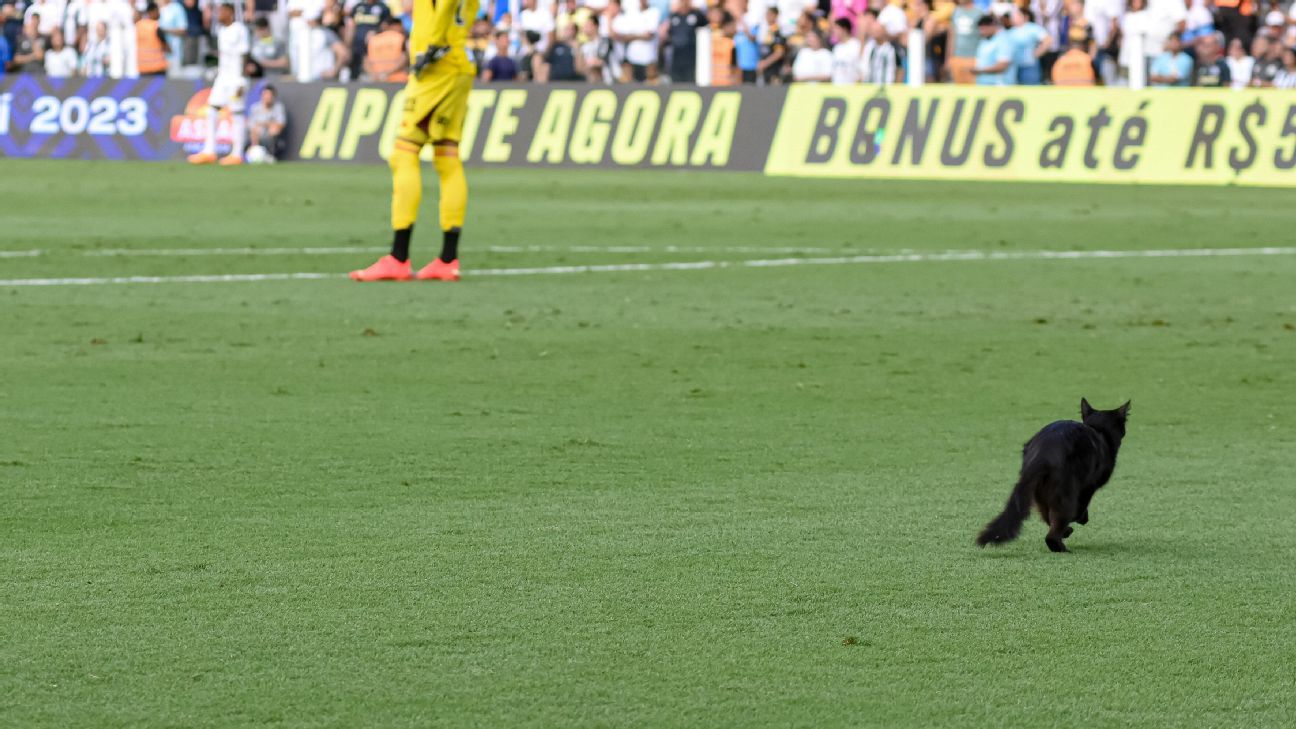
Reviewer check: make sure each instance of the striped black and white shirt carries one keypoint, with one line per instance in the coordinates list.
(878, 63)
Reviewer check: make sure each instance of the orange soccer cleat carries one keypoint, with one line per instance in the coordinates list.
(231, 160)
(386, 269)
(439, 270)
(202, 158)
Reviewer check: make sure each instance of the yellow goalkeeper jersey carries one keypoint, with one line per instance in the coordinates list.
(444, 23)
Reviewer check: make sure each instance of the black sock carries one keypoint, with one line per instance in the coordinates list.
(450, 245)
(400, 244)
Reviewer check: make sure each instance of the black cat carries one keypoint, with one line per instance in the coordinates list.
(1062, 467)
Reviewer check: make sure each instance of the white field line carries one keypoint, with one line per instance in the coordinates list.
(349, 250)
(219, 278)
(699, 265)
(246, 251)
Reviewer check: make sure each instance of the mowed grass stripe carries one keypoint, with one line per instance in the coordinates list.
(948, 256)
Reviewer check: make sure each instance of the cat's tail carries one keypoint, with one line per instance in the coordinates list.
(1006, 526)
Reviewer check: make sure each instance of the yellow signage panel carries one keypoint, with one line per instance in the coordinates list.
(1160, 136)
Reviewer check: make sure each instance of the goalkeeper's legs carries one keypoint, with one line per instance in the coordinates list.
(454, 203)
(407, 192)
(435, 108)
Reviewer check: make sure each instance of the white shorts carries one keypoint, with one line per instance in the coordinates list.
(228, 92)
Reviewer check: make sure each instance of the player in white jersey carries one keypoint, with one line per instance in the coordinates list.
(228, 91)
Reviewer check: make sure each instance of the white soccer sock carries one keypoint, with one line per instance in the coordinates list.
(213, 118)
(239, 131)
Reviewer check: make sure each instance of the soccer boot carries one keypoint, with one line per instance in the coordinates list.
(439, 270)
(231, 160)
(202, 158)
(387, 268)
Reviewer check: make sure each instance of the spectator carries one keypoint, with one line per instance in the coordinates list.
(994, 58)
(11, 15)
(119, 17)
(1197, 23)
(790, 12)
(50, 14)
(773, 48)
(1235, 19)
(559, 62)
(849, 9)
(194, 32)
(806, 23)
(814, 63)
(303, 44)
(1240, 65)
(962, 43)
(1286, 78)
(1268, 54)
(267, 121)
(723, 69)
(615, 60)
(1103, 18)
(893, 18)
(150, 44)
(173, 24)
(529, 58)
(593, 50)
(479, 41)
(329, 55)
(1000, 9)
(1211, 71)
(368, 17)
(540, 22)
(1075, 67)
(268, 56)
(501, 67)
(269, 10)
(1172, 67)
(1275, 17)
(1074, 20)
(682, 28)
(29, 54)
(746, 51)
(1138, 30)
(385, 56)
(637, 29)
(846, 52)
(97, 56)
(1030, 42)
(1165, 18)
(75, 19)
(5, 55)
(934, 28)
(878, 62)
(60, 60)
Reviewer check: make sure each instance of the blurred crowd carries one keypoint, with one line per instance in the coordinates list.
(1234, 43)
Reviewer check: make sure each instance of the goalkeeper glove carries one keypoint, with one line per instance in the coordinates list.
(428, 57)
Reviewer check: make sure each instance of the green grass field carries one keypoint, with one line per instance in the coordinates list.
(726, 497)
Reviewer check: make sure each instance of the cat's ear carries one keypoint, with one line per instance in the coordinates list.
(1085, 408)
(1124, 410)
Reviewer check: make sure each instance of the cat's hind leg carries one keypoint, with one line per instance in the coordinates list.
(1043, 509)
(1061, 515)
(1058, 531)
